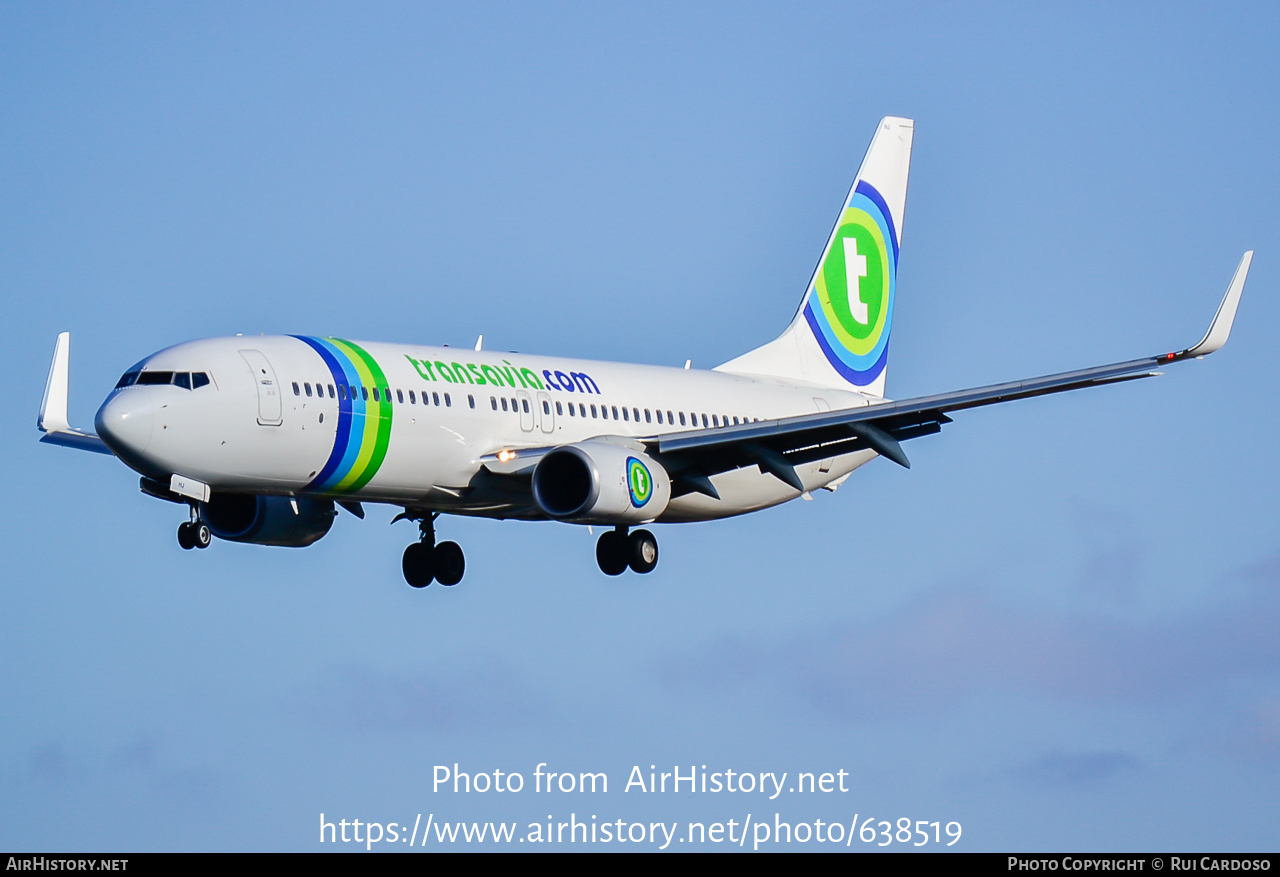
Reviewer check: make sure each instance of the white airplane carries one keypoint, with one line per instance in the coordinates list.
(261, 436)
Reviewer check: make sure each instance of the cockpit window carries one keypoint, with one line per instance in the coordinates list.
(186, 380)
(149, 378)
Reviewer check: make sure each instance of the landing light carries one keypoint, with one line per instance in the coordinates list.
(504, 456)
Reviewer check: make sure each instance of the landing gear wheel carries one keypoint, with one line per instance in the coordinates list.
(201, 535)
(642, 551)
(611, 553)
(417, 565)
(186, 538)
(450, 563)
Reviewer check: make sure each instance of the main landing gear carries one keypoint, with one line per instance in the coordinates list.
(424, 561)
(194, 533)
(616, 550)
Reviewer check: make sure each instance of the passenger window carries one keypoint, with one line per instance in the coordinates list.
(593, 412)
(682, 418)
(413, 398)
(648, 418)
(514, 407)
(582, 409)
(572, 411)
(198, 380)
(504, 403)
(400, 396)
(715, 421)
(659, 415)
(560, 409)
(331, 393)
(448, 403)
(704, 421)
(435, 398)
(524, 403)
(471, 400)
(546, 407)
(375, 396)
(493, 400)
(307, 389)
(615, 412)
(624, 414)
(671, 420)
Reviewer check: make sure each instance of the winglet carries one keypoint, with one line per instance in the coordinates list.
(53, 407)
(1220, 328)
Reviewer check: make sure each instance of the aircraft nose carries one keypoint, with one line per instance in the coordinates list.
(125, 420)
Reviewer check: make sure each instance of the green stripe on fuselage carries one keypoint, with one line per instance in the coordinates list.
(376, 435)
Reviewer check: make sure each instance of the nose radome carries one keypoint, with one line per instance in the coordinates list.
(125, 420)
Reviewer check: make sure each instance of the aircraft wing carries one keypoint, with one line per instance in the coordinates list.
(777, 446)
(53, 408)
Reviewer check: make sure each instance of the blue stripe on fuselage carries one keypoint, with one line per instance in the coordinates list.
(350, 415)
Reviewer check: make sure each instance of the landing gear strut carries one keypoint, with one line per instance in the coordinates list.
(616, 550)
(194, 533)
(424, 561)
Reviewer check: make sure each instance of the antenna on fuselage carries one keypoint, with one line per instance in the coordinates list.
(479, 342)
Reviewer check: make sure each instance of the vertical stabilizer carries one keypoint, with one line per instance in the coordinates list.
(840, 334)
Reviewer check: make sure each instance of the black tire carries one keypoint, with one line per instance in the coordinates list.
(611, 553)
(417, 565)
(201, 535)
(450, 563)
(642, 551)
(186, 538)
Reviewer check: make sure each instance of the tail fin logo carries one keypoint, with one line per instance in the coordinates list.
(850, 305)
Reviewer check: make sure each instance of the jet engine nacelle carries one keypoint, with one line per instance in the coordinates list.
(267, 520)
(600, 483)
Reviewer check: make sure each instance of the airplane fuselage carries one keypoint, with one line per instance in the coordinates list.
(410, 425)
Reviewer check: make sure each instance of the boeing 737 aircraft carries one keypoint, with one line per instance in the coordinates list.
(262, 436)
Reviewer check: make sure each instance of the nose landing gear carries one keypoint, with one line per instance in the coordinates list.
(424, 561)
(194, 533)
(616, 550)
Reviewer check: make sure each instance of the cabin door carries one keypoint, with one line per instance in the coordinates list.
(270, 405)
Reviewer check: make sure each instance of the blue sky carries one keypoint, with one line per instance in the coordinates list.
(1057, 629)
